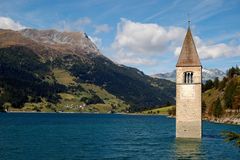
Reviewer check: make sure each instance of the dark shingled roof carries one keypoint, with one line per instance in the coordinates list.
(188, 56)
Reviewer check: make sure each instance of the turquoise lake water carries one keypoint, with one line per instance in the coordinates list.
(46, 136)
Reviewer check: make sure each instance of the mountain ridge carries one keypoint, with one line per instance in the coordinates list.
(73, 41)
(208, 74)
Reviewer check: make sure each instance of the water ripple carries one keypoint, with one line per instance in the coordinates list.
(91, 136)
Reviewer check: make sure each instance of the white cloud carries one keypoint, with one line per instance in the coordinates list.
(129, 58)
(147, 43)
(136, 42)
(8, 23)
(207, 50)
(146, 38)
(102, 28)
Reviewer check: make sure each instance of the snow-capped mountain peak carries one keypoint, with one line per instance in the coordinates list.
(207, 74)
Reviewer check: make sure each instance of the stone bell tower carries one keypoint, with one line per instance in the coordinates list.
(188, 91)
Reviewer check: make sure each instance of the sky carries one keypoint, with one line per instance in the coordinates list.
(145, 34)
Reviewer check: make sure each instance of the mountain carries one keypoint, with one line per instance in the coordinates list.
(211, 74)
(207, 75)
(171, 76)
(48, 70)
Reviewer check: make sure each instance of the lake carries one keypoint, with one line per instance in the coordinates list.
(32, 136)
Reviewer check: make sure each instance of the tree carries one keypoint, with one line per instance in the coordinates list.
(6, 106)
(172, 111)
(1, 108)
(216, 82)
(208, 85)
(237, 70)
(229, 93)
(233, 71)
(204, 107)
(222, 83)
(236, 103)
(218, 111)
(168, 103)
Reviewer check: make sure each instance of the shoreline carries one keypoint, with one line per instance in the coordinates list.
(232, 120)
(224, 120)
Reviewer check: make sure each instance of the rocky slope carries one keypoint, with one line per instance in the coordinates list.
(68, 42)
(32, 64)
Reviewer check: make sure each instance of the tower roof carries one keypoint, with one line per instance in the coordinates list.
(188, 56)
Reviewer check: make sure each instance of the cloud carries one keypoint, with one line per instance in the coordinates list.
(130, 58)
(83, 21)
(102, 28)
(82, 24)
(209, 50)
(8, 23)
(148, 44)
(137, 42)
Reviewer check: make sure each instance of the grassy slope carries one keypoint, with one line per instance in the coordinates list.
(158, 111)
(110, 100)
(72, 102)
(63, 77)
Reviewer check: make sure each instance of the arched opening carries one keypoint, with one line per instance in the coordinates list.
(188, 77)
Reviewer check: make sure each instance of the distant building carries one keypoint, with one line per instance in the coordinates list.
(188, 91)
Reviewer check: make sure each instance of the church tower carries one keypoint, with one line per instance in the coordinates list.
(188, 91)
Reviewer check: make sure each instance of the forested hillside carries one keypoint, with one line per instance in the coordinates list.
(64, 71)
(222, 98)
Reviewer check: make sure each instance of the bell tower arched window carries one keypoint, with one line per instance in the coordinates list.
(188, 77)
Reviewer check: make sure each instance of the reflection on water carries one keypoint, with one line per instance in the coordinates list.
(188, 148)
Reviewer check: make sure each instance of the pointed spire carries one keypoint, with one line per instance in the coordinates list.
(188, 56)
(189, 21)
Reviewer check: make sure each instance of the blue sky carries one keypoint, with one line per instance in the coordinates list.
(145, 34)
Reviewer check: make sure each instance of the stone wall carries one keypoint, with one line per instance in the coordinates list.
(188, 104)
